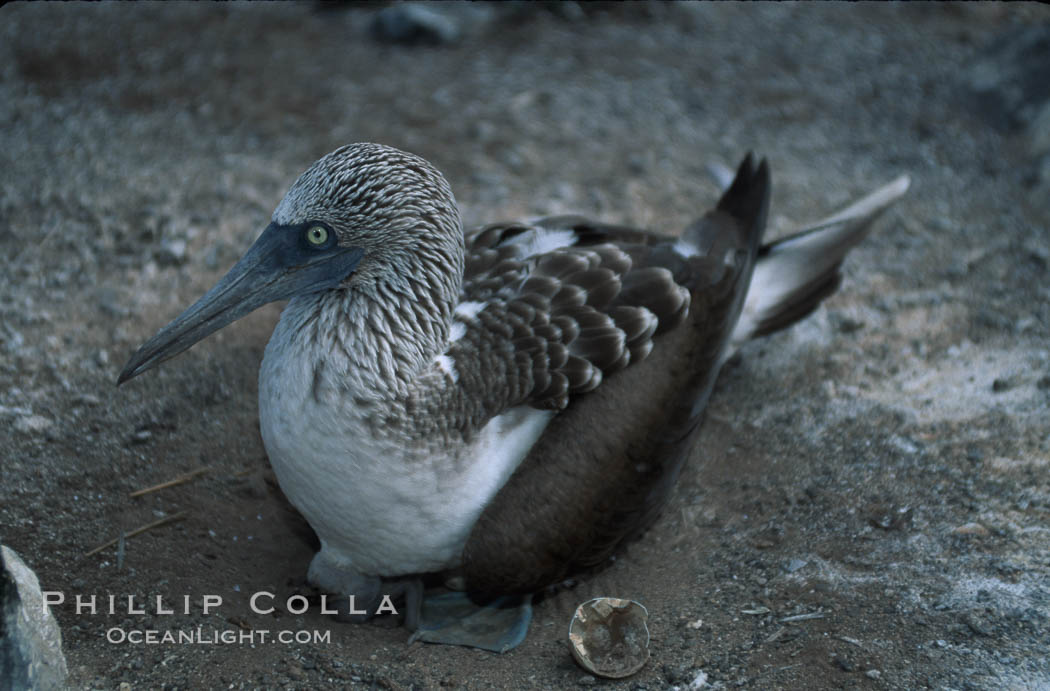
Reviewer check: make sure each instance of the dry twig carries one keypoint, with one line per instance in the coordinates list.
(137, 531)
(185, 477)
(803, 617)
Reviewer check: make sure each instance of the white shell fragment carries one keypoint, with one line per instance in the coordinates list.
(608, 637)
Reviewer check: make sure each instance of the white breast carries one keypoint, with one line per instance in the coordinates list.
(386, 508)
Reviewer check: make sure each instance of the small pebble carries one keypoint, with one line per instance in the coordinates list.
(873, 674)
(904, 445)
(413, 24)
(14, 341)
(1000, 385)
(845, 665)
(975, 529)
(86, 399)
(847, 325)
(113, 308)
(171, 253)
(32, 423)
(978, 626)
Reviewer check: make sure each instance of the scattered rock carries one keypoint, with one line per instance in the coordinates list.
(412, 24)
(888, 517)
(698, 682)
(32, 424)
(845, 664)
(109, 304)
(171, 253)
(972, 529)
(1001, 384)
(904, 445)
(977, 626)
(569, 10)
(86, 399)
(13, 341)
(31, 645)
(678, 675)
(295, 671)
(1040, 254)
(844, 324)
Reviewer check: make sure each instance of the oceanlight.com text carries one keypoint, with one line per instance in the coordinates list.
(204, 636)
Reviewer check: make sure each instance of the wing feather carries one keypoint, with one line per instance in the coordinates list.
(587, 484)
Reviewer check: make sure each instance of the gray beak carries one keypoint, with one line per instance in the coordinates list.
(280, 265)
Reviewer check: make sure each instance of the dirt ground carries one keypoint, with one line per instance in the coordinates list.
(880, 470)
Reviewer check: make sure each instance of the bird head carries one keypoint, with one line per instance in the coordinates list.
(364, 218)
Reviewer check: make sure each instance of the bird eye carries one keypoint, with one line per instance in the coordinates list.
(317, 235)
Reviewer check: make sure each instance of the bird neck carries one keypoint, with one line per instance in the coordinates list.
(374, 339)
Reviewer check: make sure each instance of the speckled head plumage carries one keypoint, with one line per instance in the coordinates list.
(393, 204)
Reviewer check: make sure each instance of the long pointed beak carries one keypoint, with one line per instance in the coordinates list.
(278, 266)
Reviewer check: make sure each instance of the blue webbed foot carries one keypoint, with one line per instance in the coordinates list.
(454, 619)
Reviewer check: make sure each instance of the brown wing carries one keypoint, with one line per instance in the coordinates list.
(589, 483)
(548, 324)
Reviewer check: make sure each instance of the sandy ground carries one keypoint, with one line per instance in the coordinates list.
(881, 467)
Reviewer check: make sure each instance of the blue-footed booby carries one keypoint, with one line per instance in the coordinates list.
(506, 406)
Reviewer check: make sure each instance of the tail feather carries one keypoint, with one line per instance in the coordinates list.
(793, 275)
(746, 201)
(739, 219)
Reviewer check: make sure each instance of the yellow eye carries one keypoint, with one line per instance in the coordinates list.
(317, 235)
